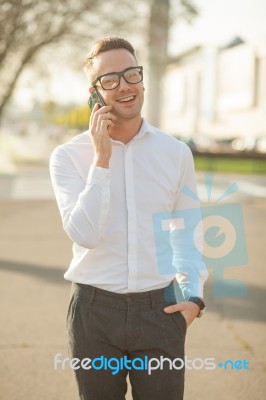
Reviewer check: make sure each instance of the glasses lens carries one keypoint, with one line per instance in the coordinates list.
(133, 75)
(110, 81)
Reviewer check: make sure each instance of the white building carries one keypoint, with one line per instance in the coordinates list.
(220, 93)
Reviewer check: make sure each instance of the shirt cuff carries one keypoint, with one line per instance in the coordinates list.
(192, 290)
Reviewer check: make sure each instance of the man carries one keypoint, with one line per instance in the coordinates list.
(110, 182)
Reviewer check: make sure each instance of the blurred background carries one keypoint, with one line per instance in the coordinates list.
(204, 63)
(205, 78)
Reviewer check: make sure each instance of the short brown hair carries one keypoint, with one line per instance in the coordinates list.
(105, 44)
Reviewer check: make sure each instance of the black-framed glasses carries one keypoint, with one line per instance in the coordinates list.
(112, 79)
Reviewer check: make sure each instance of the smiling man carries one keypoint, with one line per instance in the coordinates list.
(109, 182)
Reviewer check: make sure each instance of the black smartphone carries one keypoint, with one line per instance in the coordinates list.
(94, 98)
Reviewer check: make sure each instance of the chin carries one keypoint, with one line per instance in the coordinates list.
(129, 114)
(132, 115)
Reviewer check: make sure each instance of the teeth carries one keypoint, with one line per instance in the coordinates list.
(126, 98)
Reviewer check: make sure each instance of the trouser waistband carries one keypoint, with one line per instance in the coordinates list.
(93, 293)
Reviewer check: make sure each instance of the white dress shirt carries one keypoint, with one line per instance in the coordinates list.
(108, 213)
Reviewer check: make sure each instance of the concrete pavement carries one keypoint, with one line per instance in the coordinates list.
(34, 253)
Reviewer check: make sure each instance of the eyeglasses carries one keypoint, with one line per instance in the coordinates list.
(112, 80)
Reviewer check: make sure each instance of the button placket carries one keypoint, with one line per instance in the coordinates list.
(132, 215)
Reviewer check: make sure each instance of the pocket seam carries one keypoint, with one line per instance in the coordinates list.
(182, 317)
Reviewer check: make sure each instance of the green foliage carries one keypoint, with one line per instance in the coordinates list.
(232, 165)
(77, 117)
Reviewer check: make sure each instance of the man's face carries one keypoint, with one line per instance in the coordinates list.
(127, 98)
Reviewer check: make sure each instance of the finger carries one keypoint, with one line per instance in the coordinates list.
(105, 124)
(102, 127)
(96, 107)
(107, 115)
(98, 110)
(174, 308)
(92, 116)
(102, 110)
(99, 116)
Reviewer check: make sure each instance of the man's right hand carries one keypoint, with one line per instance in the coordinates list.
(100, 121)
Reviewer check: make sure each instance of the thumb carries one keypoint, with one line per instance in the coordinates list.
(174, 308)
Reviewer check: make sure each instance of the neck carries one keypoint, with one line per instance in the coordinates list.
(125, 130)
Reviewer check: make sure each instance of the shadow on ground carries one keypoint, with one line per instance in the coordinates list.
(251, 307)
(42, 272)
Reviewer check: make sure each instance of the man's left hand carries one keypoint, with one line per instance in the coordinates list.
(188, 309)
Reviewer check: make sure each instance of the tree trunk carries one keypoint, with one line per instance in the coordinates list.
(157, 56)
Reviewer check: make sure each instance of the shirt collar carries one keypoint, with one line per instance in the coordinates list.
(145, 128)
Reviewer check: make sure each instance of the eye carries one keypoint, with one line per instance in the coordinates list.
(133, 75)
(109, 79)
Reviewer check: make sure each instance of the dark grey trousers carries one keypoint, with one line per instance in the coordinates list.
(125, 326)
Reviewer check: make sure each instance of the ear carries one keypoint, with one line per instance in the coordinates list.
(91, 89)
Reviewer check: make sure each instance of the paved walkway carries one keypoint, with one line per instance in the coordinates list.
(34, 253)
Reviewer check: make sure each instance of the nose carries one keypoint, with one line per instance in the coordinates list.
(123, 85)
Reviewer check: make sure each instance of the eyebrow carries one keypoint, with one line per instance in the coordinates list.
(117, 72)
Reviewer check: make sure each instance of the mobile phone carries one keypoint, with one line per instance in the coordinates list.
(94, 98)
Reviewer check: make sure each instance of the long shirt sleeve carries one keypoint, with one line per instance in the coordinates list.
(83, 204)
(187, 241)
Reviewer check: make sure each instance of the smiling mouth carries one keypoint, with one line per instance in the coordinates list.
(126, 99)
